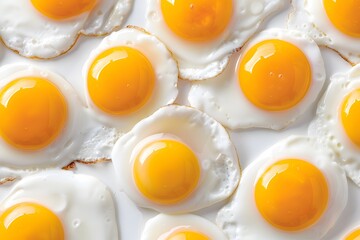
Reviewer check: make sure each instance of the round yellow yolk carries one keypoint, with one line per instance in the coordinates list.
(291, 194)
(29, 221)
(197, 20)
(274, 75)
(120, 80)
(350, 116)
(344, 14)
(187, 235)
(63, 9)
(166, 171)
(33, 112)
(355, 235)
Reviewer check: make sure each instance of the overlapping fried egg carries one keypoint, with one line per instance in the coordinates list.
(337, 120)
(58, 205)
(177, 160)
(49, 28)
(40, 117)
(203, 33)
(274, 79)
(128, 77)
(176, 227)
(331, 23)
(294, 190)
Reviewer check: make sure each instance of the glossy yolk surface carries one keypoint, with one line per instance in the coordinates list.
(29, 221)
(63, 9)
(166, 171)
(120, 80)
(197, 20)
(33, 112)
(355, 235)
(344, 14)
(291, 194)
(187, 235)
(350, 116)
(274, 75)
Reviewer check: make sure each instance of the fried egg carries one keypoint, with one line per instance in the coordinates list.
(337, 120)
(189, 227)
(334, 24)
(40, 117)
(58, 205)
(177, 160)
(49, 28)
(275, 78)
(294, 190)
(203, 33)
(128, 77)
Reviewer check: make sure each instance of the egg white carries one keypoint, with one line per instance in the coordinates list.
(199, 61)
(240, 219)
(220, 172)
(26, 31)
(222, 98)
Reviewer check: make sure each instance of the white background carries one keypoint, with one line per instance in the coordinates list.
(249, 143)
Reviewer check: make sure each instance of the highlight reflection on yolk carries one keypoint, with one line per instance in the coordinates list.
(26, 221)
(350, 115)
(344, 14)
(355, 235)
(63, 9)
(274, 75)
(197, 20)
(120, 80)
(166, 171)
(33, 112)
(187, 235)
(291, 194)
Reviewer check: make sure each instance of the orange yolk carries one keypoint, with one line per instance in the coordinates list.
(350, 116)
(197, 20)
(63, 9)
(33, 112)
(274, 75)
(120, 80)
(166, 171)
(187, 235)
(344, 14)
(29, 221)
(291, 194)
(355, 235)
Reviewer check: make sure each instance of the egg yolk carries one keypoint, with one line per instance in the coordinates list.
(33, 112)
(291, 194)
(344, 14)
(120, 80)
(63, 9)
(197, 20)
(355, 235)
(350, 116)
(274, 75)
(166, 171)
(29, 221)
(187, 235)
